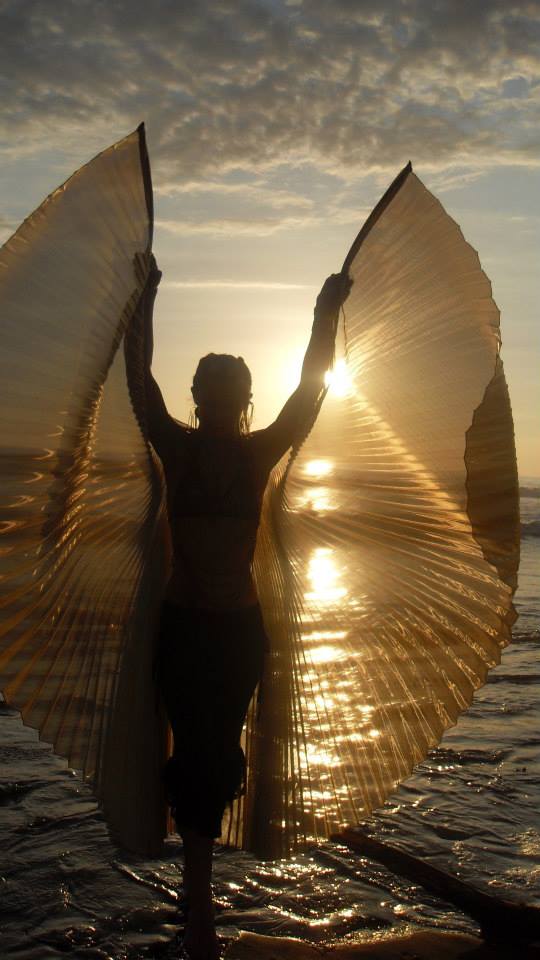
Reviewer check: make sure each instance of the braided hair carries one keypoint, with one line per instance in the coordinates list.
(230, 370)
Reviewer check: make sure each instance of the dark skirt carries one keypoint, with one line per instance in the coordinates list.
(207, 667)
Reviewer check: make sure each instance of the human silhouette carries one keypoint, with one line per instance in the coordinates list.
(211, 637)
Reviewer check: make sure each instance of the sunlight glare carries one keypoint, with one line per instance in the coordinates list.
(318, 468)
(318, 499)
(339, 380)
(326, 654)
(324, 575)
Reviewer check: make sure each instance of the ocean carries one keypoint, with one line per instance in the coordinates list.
(472, 808)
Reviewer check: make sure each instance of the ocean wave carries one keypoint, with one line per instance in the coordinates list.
(530, 636)
(449, 755)
(13, 792)
(533, 492)
(522, 678)
(530, 529)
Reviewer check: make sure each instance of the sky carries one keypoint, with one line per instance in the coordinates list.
(273, 128)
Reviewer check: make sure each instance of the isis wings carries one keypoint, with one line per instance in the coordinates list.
(388, 555)
(388, 548)
(83, 548)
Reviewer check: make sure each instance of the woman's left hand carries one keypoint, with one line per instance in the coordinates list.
(334, 292)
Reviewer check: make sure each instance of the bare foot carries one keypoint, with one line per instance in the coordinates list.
(200, 940)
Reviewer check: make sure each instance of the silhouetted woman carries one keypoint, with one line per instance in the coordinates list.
(212, 639)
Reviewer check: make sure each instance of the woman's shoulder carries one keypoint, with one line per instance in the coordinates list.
(173, 438)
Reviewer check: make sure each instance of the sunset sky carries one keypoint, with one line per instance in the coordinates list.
(273, 128)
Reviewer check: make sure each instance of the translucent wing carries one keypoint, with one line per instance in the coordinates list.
(388, 554)
(83, 546)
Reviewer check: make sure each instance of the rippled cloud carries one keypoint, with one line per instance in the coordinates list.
(239, 85)
(233, 226)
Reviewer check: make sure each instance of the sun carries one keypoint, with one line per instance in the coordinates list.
(339, 380)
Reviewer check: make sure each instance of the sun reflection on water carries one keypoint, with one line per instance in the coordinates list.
(325, 635)
(318, 499)
(318, 468)
(324, 576)
(326, 654)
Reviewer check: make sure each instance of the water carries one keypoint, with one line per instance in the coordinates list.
(471, 808)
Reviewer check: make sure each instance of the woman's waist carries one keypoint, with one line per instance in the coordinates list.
(201, 632)
(210, 551)
(213, 526)
(218, 587)
(185, 615)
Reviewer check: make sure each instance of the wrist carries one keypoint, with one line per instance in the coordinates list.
(325, 315)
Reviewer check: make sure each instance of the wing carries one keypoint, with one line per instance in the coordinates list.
(389, 549)
(83, 548)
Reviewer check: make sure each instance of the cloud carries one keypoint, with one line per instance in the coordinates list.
(236, 285)
(453, 177)
(7, 227)
(246, 85)
(260, 193)
(249, 227)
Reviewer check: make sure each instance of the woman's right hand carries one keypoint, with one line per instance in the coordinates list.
(154, 274)
(149, 270)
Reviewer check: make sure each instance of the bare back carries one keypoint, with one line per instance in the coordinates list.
(215, 487)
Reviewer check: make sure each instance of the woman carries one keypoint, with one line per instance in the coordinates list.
(212, 638)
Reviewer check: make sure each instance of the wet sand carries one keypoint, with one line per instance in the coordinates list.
(409, 945)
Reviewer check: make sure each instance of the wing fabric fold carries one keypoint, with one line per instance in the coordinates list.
(387, 558)
(83, 542)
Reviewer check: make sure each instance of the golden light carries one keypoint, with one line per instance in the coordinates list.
(318, 468)
(321, 757)
(324, 575)
(339, 380)
(318, 499)
(291, 369)
(325, 635)
(326, 654)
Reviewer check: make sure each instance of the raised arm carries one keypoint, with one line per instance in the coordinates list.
(162, 428)
(300, 410)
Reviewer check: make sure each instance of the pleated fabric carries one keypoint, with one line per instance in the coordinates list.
(83, 545)
(388, 549)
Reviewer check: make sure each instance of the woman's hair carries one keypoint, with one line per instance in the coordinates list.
(234, 374)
